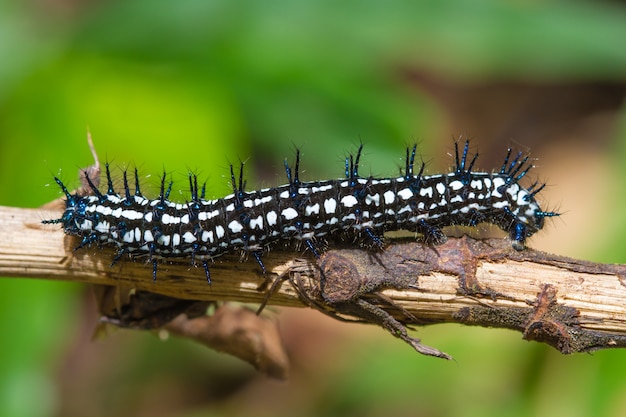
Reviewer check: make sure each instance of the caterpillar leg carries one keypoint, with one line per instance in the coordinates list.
(432, 235)
(518, 236)
(257, 255)
(207, 273)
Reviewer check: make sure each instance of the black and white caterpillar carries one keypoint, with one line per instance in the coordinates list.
(312, 213)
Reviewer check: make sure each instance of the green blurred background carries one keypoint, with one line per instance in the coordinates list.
(199, 84)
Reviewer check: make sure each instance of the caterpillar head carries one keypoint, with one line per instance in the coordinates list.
(527, 216)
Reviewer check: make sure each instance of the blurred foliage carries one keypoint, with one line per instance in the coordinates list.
(199, 84)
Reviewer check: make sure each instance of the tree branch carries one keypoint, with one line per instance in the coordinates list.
(570, 304)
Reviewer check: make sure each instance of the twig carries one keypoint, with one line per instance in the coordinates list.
(570, 304)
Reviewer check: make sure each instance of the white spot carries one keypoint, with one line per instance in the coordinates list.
(207, 236)
(176, 240)
(137, 234)
(148, 216)
(500, 204)
(441, 188)
(372, 199)
(230, 207)
(104, 210)
(466, 209)
(148, 236)
(513, 190)
(349, 201)
(427, 192)
(455, 185)
(405, 193)
(289, 213)
(497, 182)
(271, 218)
(330, 205)
(117, 212)
(188, 237)
(322, 188)
(312, 209)
(476, 184)
(389, 197)
(456, 199)
(284, 194)
(248, 203)
(167, 219)
(303, 191)
(219, 231)
(257, 223)
(522, 198)
(103, 227)
(259, 201)
(185, 219)
(235, 226)
(164, 240)
(208, 215)
(86, 225)
(112, 198)
(405, 209)
(128, 237)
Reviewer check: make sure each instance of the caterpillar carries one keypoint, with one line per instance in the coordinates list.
(310, 213)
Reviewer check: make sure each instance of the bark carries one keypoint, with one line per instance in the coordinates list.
(573, 305)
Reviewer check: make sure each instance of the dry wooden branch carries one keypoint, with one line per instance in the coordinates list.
(573, 305)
